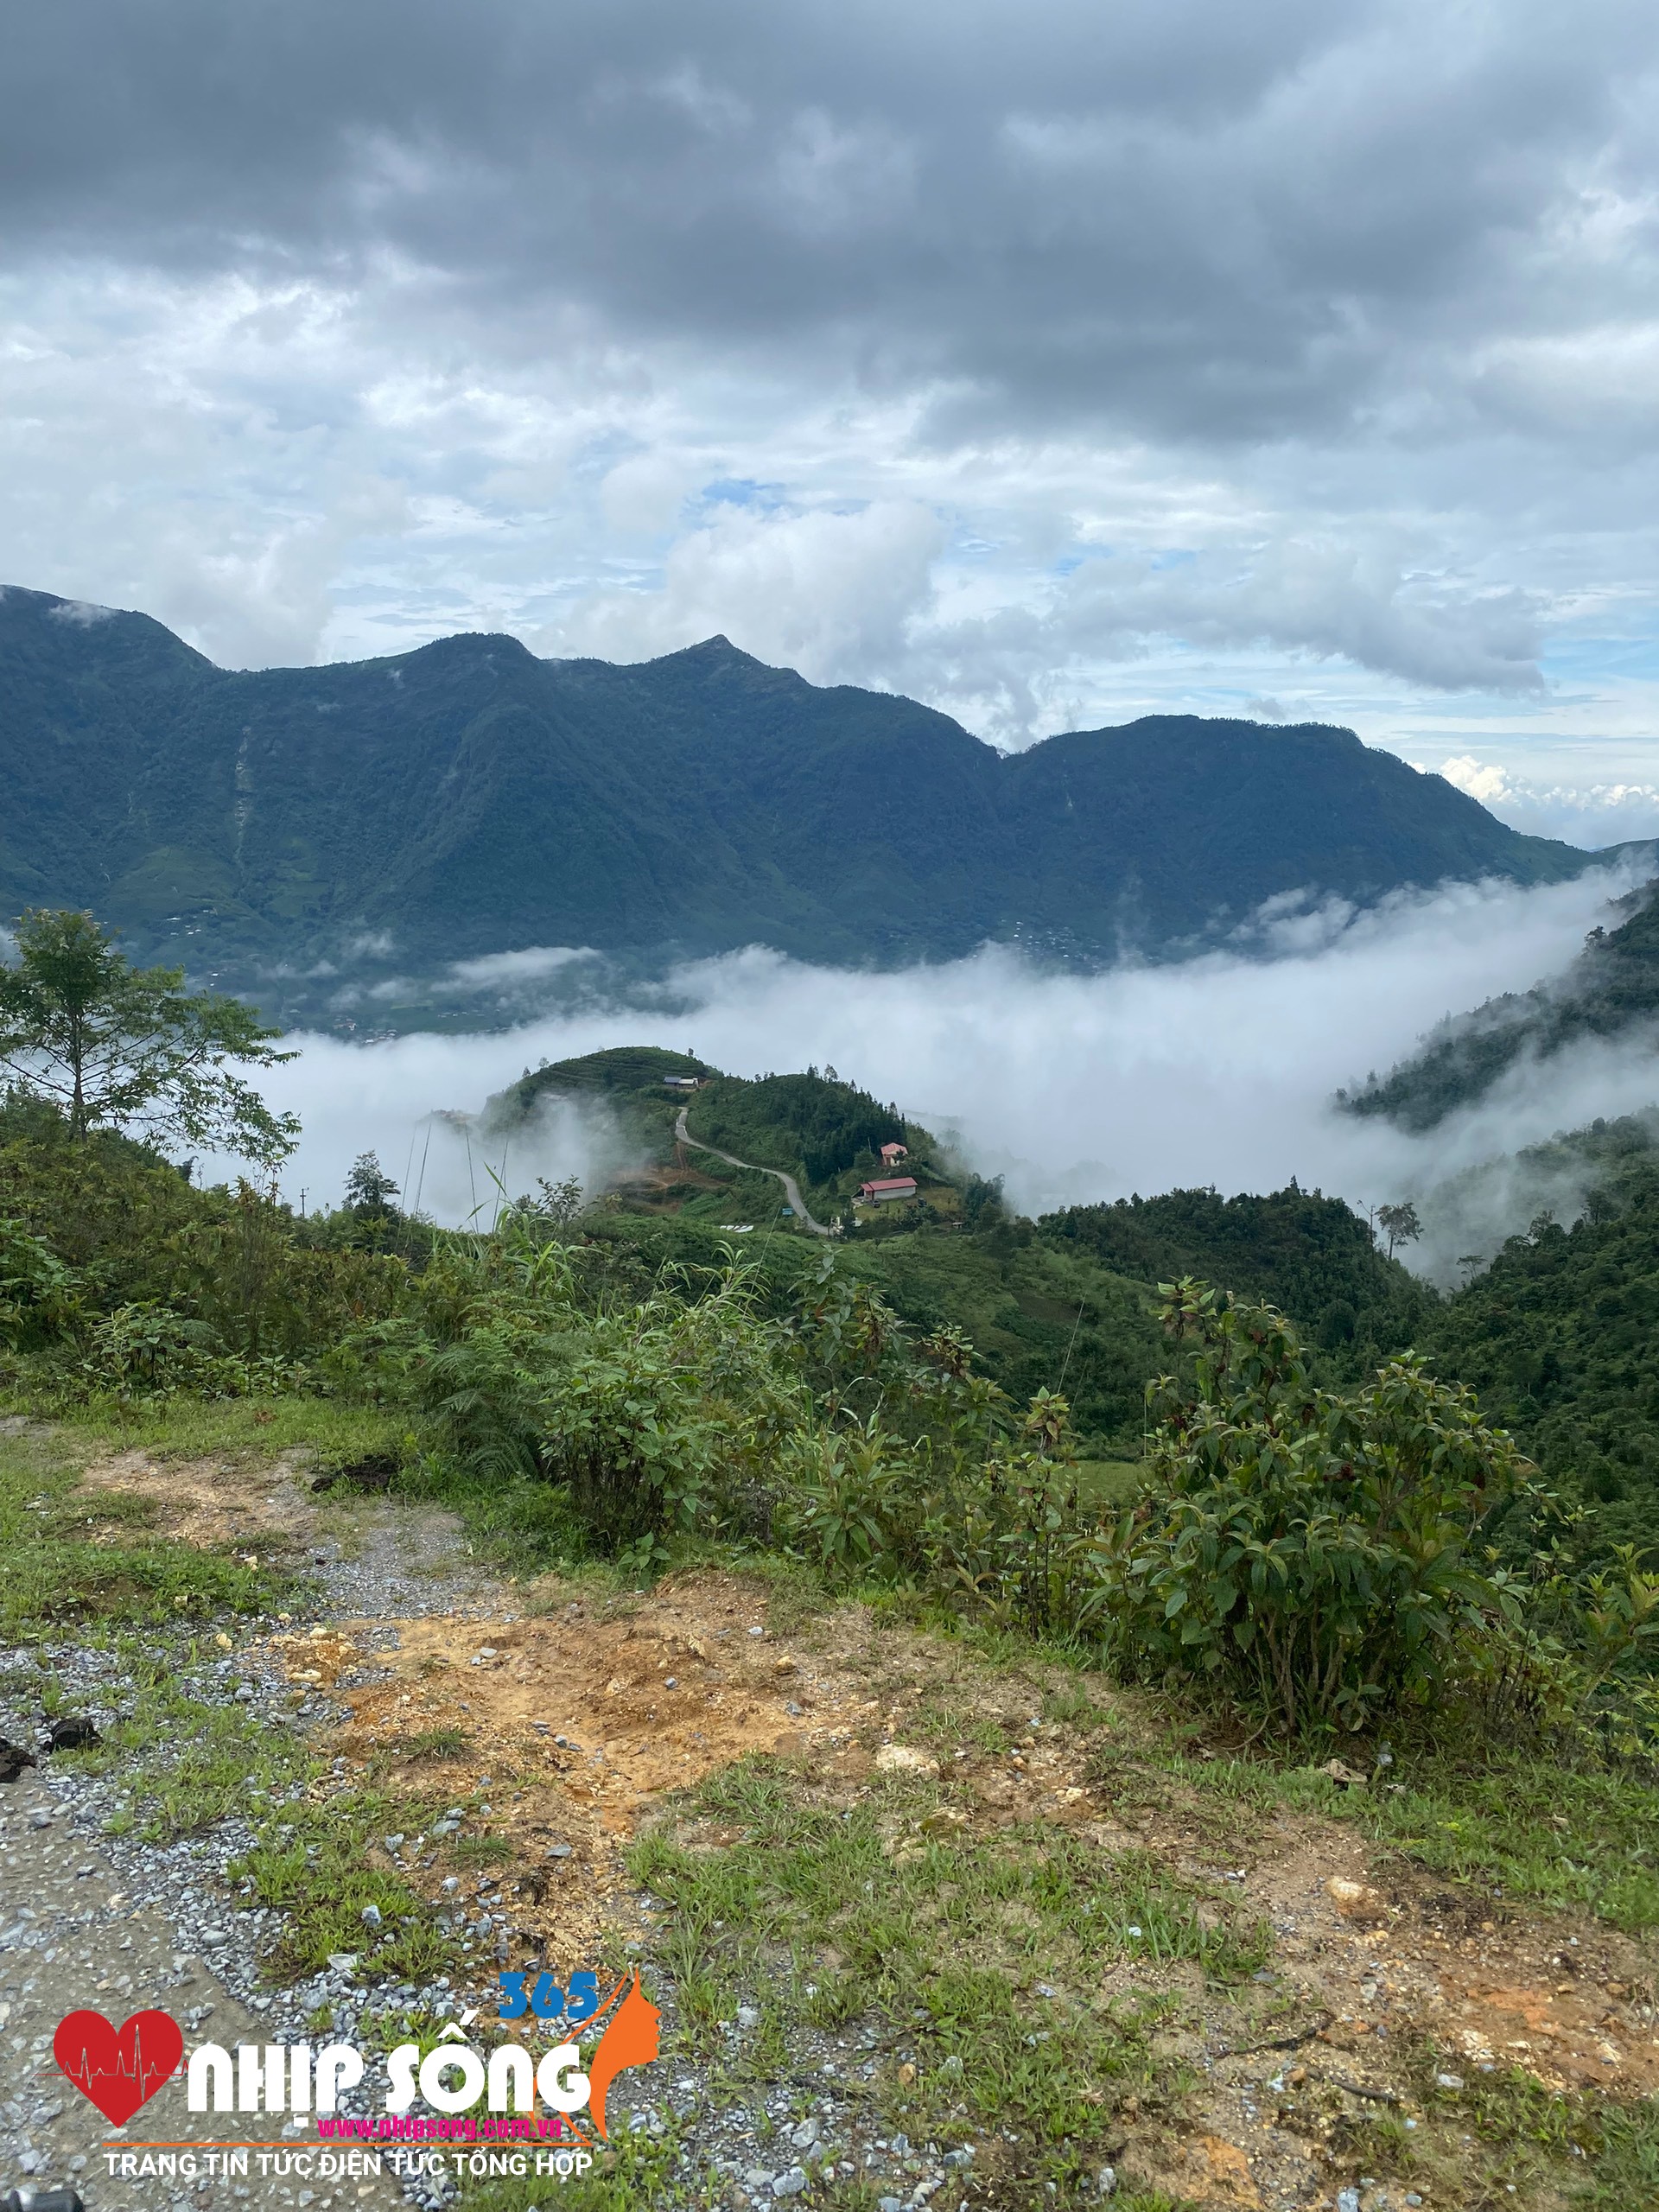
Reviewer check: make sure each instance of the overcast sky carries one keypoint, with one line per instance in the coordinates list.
(1053, 363)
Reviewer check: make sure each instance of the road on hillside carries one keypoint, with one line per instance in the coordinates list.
(791, 1188)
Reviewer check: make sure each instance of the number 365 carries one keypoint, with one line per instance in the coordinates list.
(547, 2000)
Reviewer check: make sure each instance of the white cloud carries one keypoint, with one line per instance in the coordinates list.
(835, 594)
(1182, 357)
(1591, 816)
(1077, 1088)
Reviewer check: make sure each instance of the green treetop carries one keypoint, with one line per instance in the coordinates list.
(116, 1046)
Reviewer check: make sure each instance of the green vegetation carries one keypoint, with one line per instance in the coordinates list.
(692, 805)
(115, 1046)
(1611, 988)
(1557, 1334)
(1311, 1257)
(1314, 1555)
(812, 1122)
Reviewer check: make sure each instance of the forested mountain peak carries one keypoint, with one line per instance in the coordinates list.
(467, 798)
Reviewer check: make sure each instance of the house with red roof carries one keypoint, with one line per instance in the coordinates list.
(887, 1189)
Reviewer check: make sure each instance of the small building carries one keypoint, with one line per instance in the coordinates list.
(887, 1189)
(892, 1154)
(681, 1081)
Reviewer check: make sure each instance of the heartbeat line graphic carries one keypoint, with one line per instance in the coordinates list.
(119, 2069)
(126, 2066)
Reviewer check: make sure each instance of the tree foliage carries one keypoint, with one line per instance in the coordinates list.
(116, 1046)
(1314, 1552)
(783, 1121)
(1310, 1255)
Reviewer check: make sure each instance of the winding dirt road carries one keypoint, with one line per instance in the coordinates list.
(791, 1188)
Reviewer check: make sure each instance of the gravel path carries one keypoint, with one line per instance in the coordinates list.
(90, 1919)
(791, 1188)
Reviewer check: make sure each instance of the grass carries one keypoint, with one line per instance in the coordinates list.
(1511, 1822)
(1106, 1483)
(313, 1864)
(52, 1575)
(979, 1962)
(184, 1428)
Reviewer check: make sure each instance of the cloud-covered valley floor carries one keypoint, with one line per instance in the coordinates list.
(1074, 1088)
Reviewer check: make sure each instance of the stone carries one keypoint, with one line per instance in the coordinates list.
(790, 2183)
(1106, 2181)
(1448, 2081)
(803, 2136)
(1356, 1901)
(904, 1759)
(946, 1820)
(74, 1735)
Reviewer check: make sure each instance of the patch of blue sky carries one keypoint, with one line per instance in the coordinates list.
(748, 491)
(1583, 659)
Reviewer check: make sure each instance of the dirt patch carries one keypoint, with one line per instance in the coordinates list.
(214, 1504)
(572, 1728)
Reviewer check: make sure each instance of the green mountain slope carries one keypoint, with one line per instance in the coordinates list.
(1559, 1334)
(1310, 1255)
(1610, 989)
(468, 798)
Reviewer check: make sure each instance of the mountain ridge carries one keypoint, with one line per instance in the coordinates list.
(467, 798)
(1610, 989)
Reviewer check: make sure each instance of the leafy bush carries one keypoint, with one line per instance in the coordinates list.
(1316, 1555)
(42, 1300)
(655, 1414)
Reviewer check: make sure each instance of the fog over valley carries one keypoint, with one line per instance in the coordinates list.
(1221, 1071)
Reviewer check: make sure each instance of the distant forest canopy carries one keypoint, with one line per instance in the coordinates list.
(1559, 1331)
(1612, 990)
(1312, 1256)
(293, 831)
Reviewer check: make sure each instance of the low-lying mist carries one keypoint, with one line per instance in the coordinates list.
(1072, 1087)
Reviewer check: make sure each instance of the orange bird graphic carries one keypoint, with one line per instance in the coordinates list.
(631, 2038)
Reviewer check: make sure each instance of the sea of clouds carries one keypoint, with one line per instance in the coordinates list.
(1072, 1087)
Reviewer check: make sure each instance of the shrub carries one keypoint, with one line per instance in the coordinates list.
(1316, 1555)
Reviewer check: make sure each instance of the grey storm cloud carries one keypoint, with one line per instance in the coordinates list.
(1180, 216)
(1053, 363)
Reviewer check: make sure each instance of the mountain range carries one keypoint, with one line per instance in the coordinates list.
(468, 798)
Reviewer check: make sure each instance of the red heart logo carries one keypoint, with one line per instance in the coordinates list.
(118, 2068)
